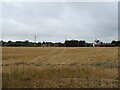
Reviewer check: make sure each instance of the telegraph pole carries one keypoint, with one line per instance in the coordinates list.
(35, 38)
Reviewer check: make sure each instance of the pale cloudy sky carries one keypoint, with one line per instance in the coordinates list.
(57, 21)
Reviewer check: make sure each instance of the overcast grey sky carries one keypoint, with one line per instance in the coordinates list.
(57, 21)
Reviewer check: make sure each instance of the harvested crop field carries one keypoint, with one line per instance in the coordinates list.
(60, 67)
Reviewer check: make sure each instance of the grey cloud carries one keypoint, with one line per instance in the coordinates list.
(55, 21)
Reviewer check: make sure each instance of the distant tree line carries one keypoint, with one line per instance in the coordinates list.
(117, 43)
(67, 43)
(19, 43)
(30, 44)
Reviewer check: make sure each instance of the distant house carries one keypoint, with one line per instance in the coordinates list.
(97, 42)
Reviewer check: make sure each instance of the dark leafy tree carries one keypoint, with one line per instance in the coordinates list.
(81, 43)
(71, 43)
(114, 42)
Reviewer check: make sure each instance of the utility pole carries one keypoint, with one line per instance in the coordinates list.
(35, 38)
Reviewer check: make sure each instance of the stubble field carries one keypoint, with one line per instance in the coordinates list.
(60, 67)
